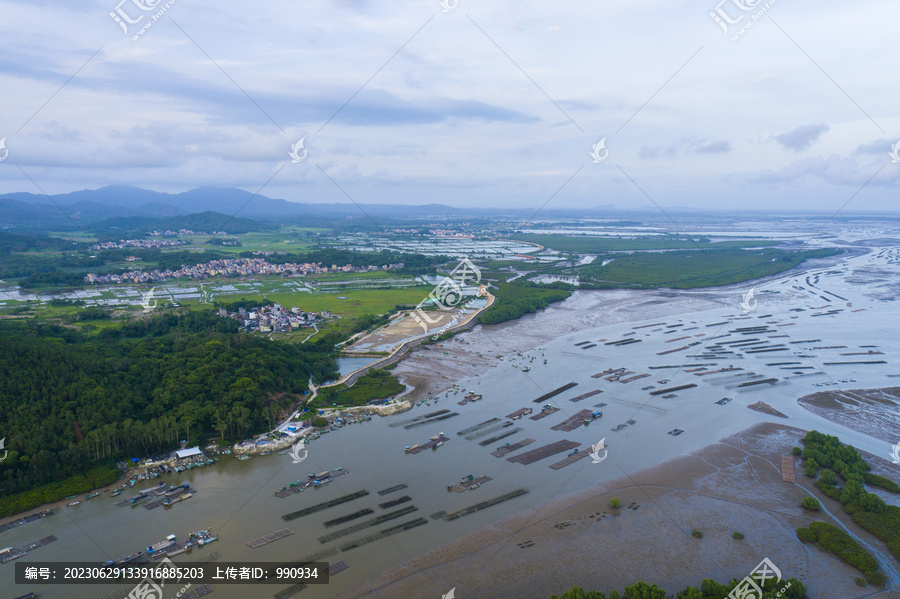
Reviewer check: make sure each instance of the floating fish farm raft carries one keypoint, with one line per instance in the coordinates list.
(394, 502)
(433, 443)
(492, 440)
(368, 523)
(586, 395)
(544, 413)
(468, 484)
(570, 459)
(502, 451)
(484, 504)
(529, 457)
(477, 427)
(383, 533)
(519, 413)
(418, 418)
(573, 421)
(270, 538)
(324, 506)
(393, 489)
(555, 392)
(673, 389)
(431, 420)
(348, 517)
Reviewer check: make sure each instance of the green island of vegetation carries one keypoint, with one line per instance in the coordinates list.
(843, 465)
(517, 299)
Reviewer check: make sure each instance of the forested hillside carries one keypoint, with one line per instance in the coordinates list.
(72, 401)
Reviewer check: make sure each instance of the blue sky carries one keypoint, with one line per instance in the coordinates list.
(487, 104)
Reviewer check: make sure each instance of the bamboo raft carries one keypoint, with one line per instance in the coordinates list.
(573, 421)
(269, 538)
(324, 506)
(570, 459)
(544, 413)
(459, 488)
(389, 490)
(634, 378)
(502, 451)
(484, 504)
(529, 457)
(586, 395)
(555, 392)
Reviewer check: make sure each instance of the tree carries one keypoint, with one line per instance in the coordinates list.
(811, 503)
(319, 422)
(614, 503)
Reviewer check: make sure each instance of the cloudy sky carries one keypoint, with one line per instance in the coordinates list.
(491, 103)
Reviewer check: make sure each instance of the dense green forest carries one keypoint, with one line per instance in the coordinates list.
(73, 401)
(517, 299)
(709, 589)
(692, 269)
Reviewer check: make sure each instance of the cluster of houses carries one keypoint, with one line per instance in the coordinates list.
(231, 267)
(274, 318)
(138, 243)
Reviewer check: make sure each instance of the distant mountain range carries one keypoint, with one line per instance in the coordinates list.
(88, 207)
(91, 206)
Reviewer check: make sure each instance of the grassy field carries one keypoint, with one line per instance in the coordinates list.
(597, 244)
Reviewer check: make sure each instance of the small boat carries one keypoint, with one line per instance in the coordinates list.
(244, 456)
(526, 369)
(207, 540)
(70, 497)
(92, 495)
(117, 492)
(73, 503)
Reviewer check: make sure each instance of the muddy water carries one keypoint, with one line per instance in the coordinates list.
(235, 499)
